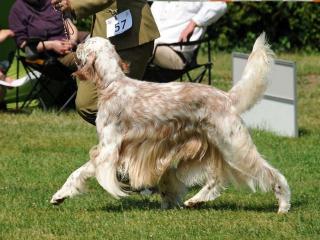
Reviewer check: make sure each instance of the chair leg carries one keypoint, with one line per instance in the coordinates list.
(189, 77)
(67, 102)
(44, 106)
(33, 92)
(17, 98)
(29, 97)
(200, 76)
(209, 74)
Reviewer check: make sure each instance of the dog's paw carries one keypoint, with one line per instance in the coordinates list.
(57, 199)
(146, 192)
(192, 204)
(284, 208)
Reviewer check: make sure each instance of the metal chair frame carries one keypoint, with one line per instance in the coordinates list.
(40, 64)
(206, 67)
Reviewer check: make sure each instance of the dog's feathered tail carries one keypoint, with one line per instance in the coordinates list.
(253, 82)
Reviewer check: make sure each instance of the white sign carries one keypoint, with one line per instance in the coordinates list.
(119, 23)
(277, 111)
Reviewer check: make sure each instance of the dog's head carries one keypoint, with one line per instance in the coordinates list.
(97, 58)
(92, 47)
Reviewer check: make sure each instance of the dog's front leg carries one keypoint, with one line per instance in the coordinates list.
(106, 170)
(75, 183)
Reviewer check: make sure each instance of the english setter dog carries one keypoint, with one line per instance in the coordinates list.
(173, 135)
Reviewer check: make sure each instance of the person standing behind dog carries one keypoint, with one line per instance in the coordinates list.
(182, 22)
(129, 25)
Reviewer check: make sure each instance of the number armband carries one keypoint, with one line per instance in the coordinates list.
(118, 23)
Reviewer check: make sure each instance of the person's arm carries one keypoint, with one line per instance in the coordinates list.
(209, 13)
(61, 47)
(81, 8)
(5, 33)
(2, 76)
(18, 24)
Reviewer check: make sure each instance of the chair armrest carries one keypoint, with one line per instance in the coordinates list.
(189, 43)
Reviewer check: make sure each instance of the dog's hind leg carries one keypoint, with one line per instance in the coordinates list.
(171, 189)
(75, 183)
(282, 192)
(209, 192)
(234, 142)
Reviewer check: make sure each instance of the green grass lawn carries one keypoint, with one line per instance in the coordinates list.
(40, 150)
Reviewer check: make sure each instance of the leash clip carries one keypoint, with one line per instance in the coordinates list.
(112, 11)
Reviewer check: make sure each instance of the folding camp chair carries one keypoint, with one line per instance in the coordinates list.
(7, 54)
(155, 73)
(5, 64)
(55, 87)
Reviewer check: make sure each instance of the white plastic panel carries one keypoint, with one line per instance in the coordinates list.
(277, 111)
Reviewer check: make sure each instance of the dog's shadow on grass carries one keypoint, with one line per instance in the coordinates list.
(251, 207)
(146, 204)
(235, 207)
(133, 204)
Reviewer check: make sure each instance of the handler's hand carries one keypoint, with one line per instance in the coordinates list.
(61, 5)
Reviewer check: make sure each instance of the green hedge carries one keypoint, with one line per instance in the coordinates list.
(289, 26)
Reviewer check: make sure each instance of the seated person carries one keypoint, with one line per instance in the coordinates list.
(182, 22)
(4, 34)
(37, 19)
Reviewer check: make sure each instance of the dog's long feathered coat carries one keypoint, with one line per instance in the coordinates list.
(175, 134)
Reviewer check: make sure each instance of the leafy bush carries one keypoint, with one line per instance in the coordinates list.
(84, 24)
(289, 26)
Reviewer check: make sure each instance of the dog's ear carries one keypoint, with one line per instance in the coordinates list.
(91, 58)
(94, 152)
(88, 70)
(124, 66)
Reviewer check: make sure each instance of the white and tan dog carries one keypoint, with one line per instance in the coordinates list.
(173, 135)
